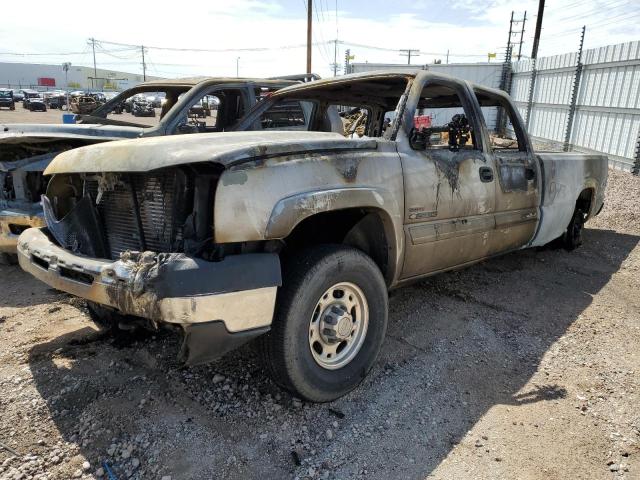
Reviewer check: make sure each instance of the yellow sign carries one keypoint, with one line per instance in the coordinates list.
(491, 55)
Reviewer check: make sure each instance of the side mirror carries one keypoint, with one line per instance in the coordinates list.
(186, 128)
(417, 139)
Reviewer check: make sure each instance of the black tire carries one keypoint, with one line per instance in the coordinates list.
(572, 237)
(286, 348)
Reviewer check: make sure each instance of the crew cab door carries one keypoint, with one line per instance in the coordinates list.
(517, 194)
(449, 186)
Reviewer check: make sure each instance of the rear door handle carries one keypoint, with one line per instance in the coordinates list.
(486, 174)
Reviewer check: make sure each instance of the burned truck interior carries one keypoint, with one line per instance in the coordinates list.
(340, 107)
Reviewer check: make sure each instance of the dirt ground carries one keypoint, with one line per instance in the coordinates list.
(526, 366)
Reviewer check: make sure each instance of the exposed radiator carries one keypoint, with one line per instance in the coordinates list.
(143, 211)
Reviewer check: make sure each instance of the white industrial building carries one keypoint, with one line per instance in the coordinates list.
(487, 74)
(45, 76)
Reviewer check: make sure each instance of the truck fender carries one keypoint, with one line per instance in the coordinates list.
(290, 211)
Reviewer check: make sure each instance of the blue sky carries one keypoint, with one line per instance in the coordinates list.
(468, 29)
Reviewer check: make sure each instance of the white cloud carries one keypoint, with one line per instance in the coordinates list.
(472, 27)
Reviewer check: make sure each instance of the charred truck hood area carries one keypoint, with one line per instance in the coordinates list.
(227, 149)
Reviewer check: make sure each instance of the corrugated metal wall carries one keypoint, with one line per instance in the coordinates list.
(607, 117)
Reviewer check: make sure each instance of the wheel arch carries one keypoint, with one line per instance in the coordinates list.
(354, 216)
(585, 200)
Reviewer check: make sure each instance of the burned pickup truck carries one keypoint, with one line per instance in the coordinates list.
(26, 149)
(295, 231)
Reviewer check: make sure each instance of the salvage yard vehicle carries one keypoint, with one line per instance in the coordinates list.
(55, 99)
(141, 107)
(83, 104)
(6, 99)
(29, 95)
(26, 149)
(293, 232)
(37, 104)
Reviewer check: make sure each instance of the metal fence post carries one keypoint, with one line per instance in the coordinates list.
(574, 96)
(636, 162)
(532, 88)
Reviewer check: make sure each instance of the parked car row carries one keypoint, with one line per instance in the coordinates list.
(35, 100)
(286, 216)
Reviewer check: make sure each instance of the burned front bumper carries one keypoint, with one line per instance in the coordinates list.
(219, 305)
(15, 221)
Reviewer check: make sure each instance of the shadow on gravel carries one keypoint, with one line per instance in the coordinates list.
(19, 289)
(458, 344)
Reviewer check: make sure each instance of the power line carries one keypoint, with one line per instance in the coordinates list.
(211, 50)
(42, 54)
(586, 14)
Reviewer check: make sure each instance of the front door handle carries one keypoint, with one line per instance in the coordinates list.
(486, 174)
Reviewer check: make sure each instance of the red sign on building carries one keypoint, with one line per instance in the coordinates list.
(46, 82)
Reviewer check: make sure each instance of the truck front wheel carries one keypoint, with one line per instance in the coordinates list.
(330, 322)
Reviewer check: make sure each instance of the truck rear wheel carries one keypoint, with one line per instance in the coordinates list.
(330, 322)
(572, 237)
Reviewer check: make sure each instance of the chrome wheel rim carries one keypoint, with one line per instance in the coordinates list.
(338, 325)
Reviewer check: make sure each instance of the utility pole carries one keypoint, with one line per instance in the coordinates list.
(407, 52)
(510, 31)
(335, 57)
(65, 67)
(309, 20)
(237, 67)
(536, 37)
(95, 70)
(447, 56)
(524, 22)
(144, 65)
(513, 32)
(574, 95)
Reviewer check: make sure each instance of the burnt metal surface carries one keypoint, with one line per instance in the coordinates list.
(227, 149)
(141, 212)
(14, 221)
(172, 288)
(78, 231)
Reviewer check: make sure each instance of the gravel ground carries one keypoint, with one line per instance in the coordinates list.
(22, 115)
(522, 367)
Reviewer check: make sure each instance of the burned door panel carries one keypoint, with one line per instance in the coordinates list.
(517, 194)
(448, 212)
(449, 184)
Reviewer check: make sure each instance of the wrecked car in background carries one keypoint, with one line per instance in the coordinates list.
(6, 99)
(26, 149)
(293, 232)
(141, 107)
(83, 104)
